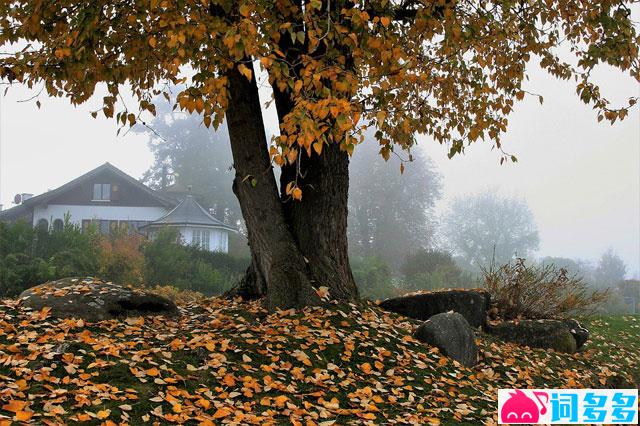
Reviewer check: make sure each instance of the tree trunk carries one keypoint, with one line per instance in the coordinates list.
(319, 222)
(276, 260)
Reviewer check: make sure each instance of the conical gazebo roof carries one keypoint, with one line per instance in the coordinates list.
(189, 213)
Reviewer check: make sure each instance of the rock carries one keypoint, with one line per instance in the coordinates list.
(561, 335)
(94, 300)
(452, 334)
(471, 304)
(578, 332)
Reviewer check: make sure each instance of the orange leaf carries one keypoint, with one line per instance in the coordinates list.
(244, 70)
(14, 406)
(103, 414)
(23, 416)
(221, 412)
(229, 380)
(153, 372)
(296, 193)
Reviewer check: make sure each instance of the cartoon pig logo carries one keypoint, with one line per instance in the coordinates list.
(519, 408)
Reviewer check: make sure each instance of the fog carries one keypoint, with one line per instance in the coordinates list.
(580, 178)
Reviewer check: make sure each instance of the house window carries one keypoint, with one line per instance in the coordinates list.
(204, 239)
(104, 227)
(58, 224)
(43, 225)
(101, 192)
(196, 237)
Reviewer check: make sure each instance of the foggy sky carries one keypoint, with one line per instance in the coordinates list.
(580, 178)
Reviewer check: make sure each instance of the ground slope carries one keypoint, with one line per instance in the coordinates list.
(224, 362)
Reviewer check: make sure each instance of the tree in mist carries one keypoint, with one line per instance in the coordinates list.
(573, 266)
(486, 227)
(452, 70)
(611, 269)
(391, 214)
(187, 154)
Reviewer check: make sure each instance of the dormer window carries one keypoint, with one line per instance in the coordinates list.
(101, 192)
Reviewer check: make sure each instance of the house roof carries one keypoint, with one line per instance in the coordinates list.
(189, 213)
(28, 204)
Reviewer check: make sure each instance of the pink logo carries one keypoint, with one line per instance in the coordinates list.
(519, 408)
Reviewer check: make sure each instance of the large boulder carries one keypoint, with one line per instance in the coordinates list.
(560, 335)
(451, 333)
(471, 304)
(94, 300)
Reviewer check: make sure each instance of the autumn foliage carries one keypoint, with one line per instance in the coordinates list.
(224, 362)
(448, 69)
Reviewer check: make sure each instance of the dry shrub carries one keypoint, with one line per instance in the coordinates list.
(177, 295)
(533, 292)
(120, 259)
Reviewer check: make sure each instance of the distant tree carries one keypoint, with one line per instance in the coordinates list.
(187, 154)
(611, 269)
(573, 266)
(486, 227)
(391, 214)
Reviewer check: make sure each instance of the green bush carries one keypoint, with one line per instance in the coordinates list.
(373, 277)
(31, 256)
(431, 270)
(167, 262)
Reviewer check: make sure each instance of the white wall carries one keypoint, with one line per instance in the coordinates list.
(78, 213)
(218, 238)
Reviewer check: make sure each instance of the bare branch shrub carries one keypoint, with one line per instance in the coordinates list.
(533, 292)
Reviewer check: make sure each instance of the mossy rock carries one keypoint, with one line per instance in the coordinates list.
(94, 300)
(544, 334)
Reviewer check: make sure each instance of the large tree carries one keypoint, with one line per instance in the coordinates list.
(487, 228)
(451, 69)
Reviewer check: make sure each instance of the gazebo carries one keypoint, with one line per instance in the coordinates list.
(196, 226)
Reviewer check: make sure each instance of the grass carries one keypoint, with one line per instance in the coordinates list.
(225, 362)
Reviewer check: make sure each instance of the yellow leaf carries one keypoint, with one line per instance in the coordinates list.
(244, 10)
(385, 21)
(153, 42)
(366, 368)
(244, 70)
(103, 414)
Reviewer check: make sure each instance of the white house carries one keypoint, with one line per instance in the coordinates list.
(111, 199)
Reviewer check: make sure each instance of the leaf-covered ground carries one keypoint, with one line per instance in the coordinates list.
(225, 362)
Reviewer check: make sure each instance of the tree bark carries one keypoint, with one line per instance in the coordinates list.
(277, 263)
(317, 225)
